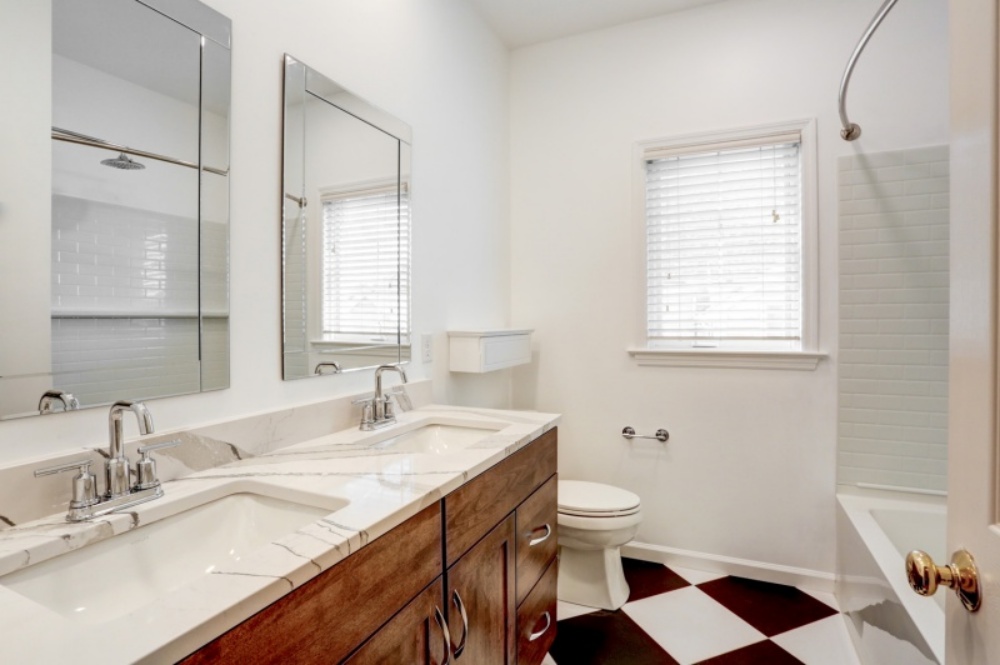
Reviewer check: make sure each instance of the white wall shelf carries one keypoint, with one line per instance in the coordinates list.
(479, 351)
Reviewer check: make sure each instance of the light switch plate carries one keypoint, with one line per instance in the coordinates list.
(427, 348)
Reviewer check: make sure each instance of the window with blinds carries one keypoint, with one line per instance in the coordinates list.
(724, 244)
(366, 264)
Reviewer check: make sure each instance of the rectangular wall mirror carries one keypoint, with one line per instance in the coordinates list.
(345, 230)
(115, 249)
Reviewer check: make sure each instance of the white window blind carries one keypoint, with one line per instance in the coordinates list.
(366, 264)
(724, 245)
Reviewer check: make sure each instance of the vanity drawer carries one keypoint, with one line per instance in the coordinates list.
(331, 615)
(474, 509)
(536, 619)
(537, 536)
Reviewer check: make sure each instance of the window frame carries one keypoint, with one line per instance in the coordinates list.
(735, 355)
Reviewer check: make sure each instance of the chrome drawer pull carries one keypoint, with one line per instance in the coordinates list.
(446, 634)
(548, 622)
(457, 599)
(538, 541)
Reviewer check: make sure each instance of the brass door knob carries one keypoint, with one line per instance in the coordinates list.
(961, 575)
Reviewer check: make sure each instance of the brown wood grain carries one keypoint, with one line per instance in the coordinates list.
(537, 511)
(413, 636)
(484, 580)
(530, 618)
(473, 509)
(331, 615)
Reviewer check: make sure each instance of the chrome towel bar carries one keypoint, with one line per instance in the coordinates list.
(661, 435)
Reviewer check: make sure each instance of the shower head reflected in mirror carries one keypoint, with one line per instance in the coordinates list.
(123, 162)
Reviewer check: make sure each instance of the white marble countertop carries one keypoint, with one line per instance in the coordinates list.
(384, 488)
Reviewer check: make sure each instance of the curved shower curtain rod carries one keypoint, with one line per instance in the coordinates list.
(851, 130)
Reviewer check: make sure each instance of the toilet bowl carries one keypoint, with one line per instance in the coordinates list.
(595, 520)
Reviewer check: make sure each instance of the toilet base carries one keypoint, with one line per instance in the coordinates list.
(594, 578)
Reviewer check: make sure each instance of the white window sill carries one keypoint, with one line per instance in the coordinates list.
(790, 360)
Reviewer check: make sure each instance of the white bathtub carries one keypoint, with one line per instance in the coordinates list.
(887, 620)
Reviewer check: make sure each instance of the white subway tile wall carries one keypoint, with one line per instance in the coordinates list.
(116, 271)
(893, 360)
(112, 259)
(106, 359)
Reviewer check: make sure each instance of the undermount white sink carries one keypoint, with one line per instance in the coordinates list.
(436, 439)
(109, 579)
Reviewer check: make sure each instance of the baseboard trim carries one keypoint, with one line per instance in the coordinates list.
(814, 580)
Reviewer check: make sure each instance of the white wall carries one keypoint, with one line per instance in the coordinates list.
(749, 471)
(434, 65)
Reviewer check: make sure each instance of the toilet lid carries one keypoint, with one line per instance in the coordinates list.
(579, 497)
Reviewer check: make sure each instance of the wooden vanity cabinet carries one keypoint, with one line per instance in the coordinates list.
(518, 494)
(488, 548)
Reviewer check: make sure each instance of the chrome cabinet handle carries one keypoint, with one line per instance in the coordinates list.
(538, 541)
(548, 622)
(457, 599)
(446, 634)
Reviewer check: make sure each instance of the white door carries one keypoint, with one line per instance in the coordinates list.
(973, 456)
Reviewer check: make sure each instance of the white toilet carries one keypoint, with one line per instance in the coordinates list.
(595, 520)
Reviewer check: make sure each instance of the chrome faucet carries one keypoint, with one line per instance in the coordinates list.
(117, 474)
(119, 491)
(47, 403)
(378, 411)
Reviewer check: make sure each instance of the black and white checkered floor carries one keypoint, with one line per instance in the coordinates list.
(676, 615)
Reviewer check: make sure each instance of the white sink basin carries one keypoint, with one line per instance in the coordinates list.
(436, 439)
(111, 578)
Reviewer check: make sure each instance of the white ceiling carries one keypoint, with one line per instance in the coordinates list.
(524, 22)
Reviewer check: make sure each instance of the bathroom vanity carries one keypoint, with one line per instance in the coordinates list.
(486, 552)
(431, 541)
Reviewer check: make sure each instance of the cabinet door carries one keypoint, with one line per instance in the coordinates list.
(418, 635)
(481, 610)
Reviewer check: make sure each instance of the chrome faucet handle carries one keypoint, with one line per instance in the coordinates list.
(388, 408)
(84, 487)
(145, 468)
(367, 411)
